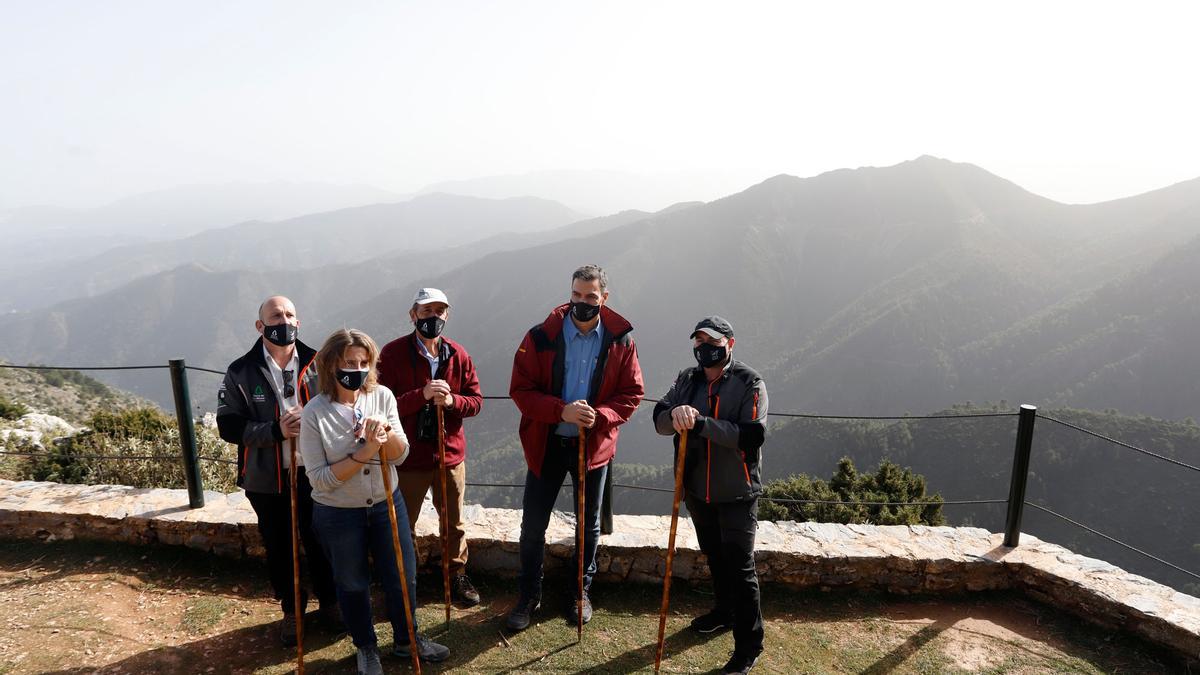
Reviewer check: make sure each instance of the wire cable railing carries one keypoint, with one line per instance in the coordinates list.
(1015, 500)
(1114, 540)
(167, 458)
(1122, 444)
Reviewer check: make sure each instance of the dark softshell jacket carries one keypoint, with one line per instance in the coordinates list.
(248, 416)
(724, 452)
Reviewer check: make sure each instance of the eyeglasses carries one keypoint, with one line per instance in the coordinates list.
(289, 390)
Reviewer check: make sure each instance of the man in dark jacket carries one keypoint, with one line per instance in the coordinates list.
(723, 404)
(578, 369)
(425, 369)
(258, 410)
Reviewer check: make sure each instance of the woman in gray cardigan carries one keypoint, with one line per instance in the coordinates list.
(343, 434)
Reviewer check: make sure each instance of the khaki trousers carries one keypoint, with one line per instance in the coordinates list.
(413, 486)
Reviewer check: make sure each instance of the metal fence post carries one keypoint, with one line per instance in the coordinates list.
(1020, 475)
(187, 433)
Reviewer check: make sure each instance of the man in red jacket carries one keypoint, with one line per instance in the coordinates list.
(426, 369)
(577, 370)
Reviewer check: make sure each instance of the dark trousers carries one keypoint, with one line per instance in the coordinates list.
(726, 535)
(275, 526)
(561, 459)
(350, 535)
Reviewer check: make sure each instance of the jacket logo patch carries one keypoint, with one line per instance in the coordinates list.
(259, 396)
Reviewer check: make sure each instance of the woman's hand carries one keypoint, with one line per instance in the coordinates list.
(375, 431)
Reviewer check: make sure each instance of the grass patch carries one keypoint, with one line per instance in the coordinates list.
(203, 614)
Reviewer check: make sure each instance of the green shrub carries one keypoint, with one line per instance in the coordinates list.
(138, 447)
(889, 483)
(90, 386)
(11, 410)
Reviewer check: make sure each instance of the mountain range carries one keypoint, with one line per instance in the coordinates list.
(871, 291)
(37, 237)
(909, 287)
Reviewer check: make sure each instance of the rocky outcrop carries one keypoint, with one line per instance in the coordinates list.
(37, 429)
(897, 559)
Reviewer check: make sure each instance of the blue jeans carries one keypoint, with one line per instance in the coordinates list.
(561, 459)
(348, 535)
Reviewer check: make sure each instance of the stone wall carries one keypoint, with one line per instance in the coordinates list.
(896, 559)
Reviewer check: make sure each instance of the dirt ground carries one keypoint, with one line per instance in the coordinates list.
(74, 607)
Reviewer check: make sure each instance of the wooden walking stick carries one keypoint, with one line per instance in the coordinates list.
(579, 516)
(297, 609)
(408, 608)
(443, 513)
(662, 611)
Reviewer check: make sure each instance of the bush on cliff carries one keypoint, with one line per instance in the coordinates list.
(830, 502)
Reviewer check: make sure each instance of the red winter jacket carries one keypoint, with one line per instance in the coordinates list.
(615, 392)
(406, 372)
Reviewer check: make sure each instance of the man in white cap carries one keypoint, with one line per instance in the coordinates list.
(425, 369)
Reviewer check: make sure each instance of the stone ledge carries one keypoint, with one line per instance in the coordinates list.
(897, 559)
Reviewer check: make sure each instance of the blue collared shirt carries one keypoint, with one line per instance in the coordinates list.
(583, 350)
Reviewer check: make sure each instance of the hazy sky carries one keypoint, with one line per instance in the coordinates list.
(1077, 101)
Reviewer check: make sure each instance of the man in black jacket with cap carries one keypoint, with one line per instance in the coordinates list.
(722, 403)
(258, 410)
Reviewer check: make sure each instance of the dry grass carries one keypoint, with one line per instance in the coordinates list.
(85, 607)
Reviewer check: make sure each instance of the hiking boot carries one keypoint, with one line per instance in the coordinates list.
(287, 630)
(587, 608)
(427, 650)
(518, 618)
(739, 663)
(712, 622)
(368, 661)
(463, 591)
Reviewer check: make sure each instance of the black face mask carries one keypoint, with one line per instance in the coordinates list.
(710, 355)
(282, 334)
(430, 327)
(584, 312)
(352, 379)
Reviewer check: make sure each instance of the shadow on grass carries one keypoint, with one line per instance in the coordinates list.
(643, 657)
(243, 649)
(908, 648)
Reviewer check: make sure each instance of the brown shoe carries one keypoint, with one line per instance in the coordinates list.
(463, 591)
(287, 630)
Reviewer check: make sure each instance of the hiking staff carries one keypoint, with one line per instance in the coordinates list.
(579, 505)
(662, 611)
(296, 561)
(443, 513)
(408, 610)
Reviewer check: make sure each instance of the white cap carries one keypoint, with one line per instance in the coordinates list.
(427, 295)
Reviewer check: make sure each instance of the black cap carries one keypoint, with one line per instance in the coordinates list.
(715, 326)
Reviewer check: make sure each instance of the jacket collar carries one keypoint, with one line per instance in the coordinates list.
(615, 325)
(700, 376)
(257, 355)
(446, 348)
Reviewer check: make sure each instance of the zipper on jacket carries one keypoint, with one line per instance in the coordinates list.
(278, 456)
(715, 409)
(753, 416)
